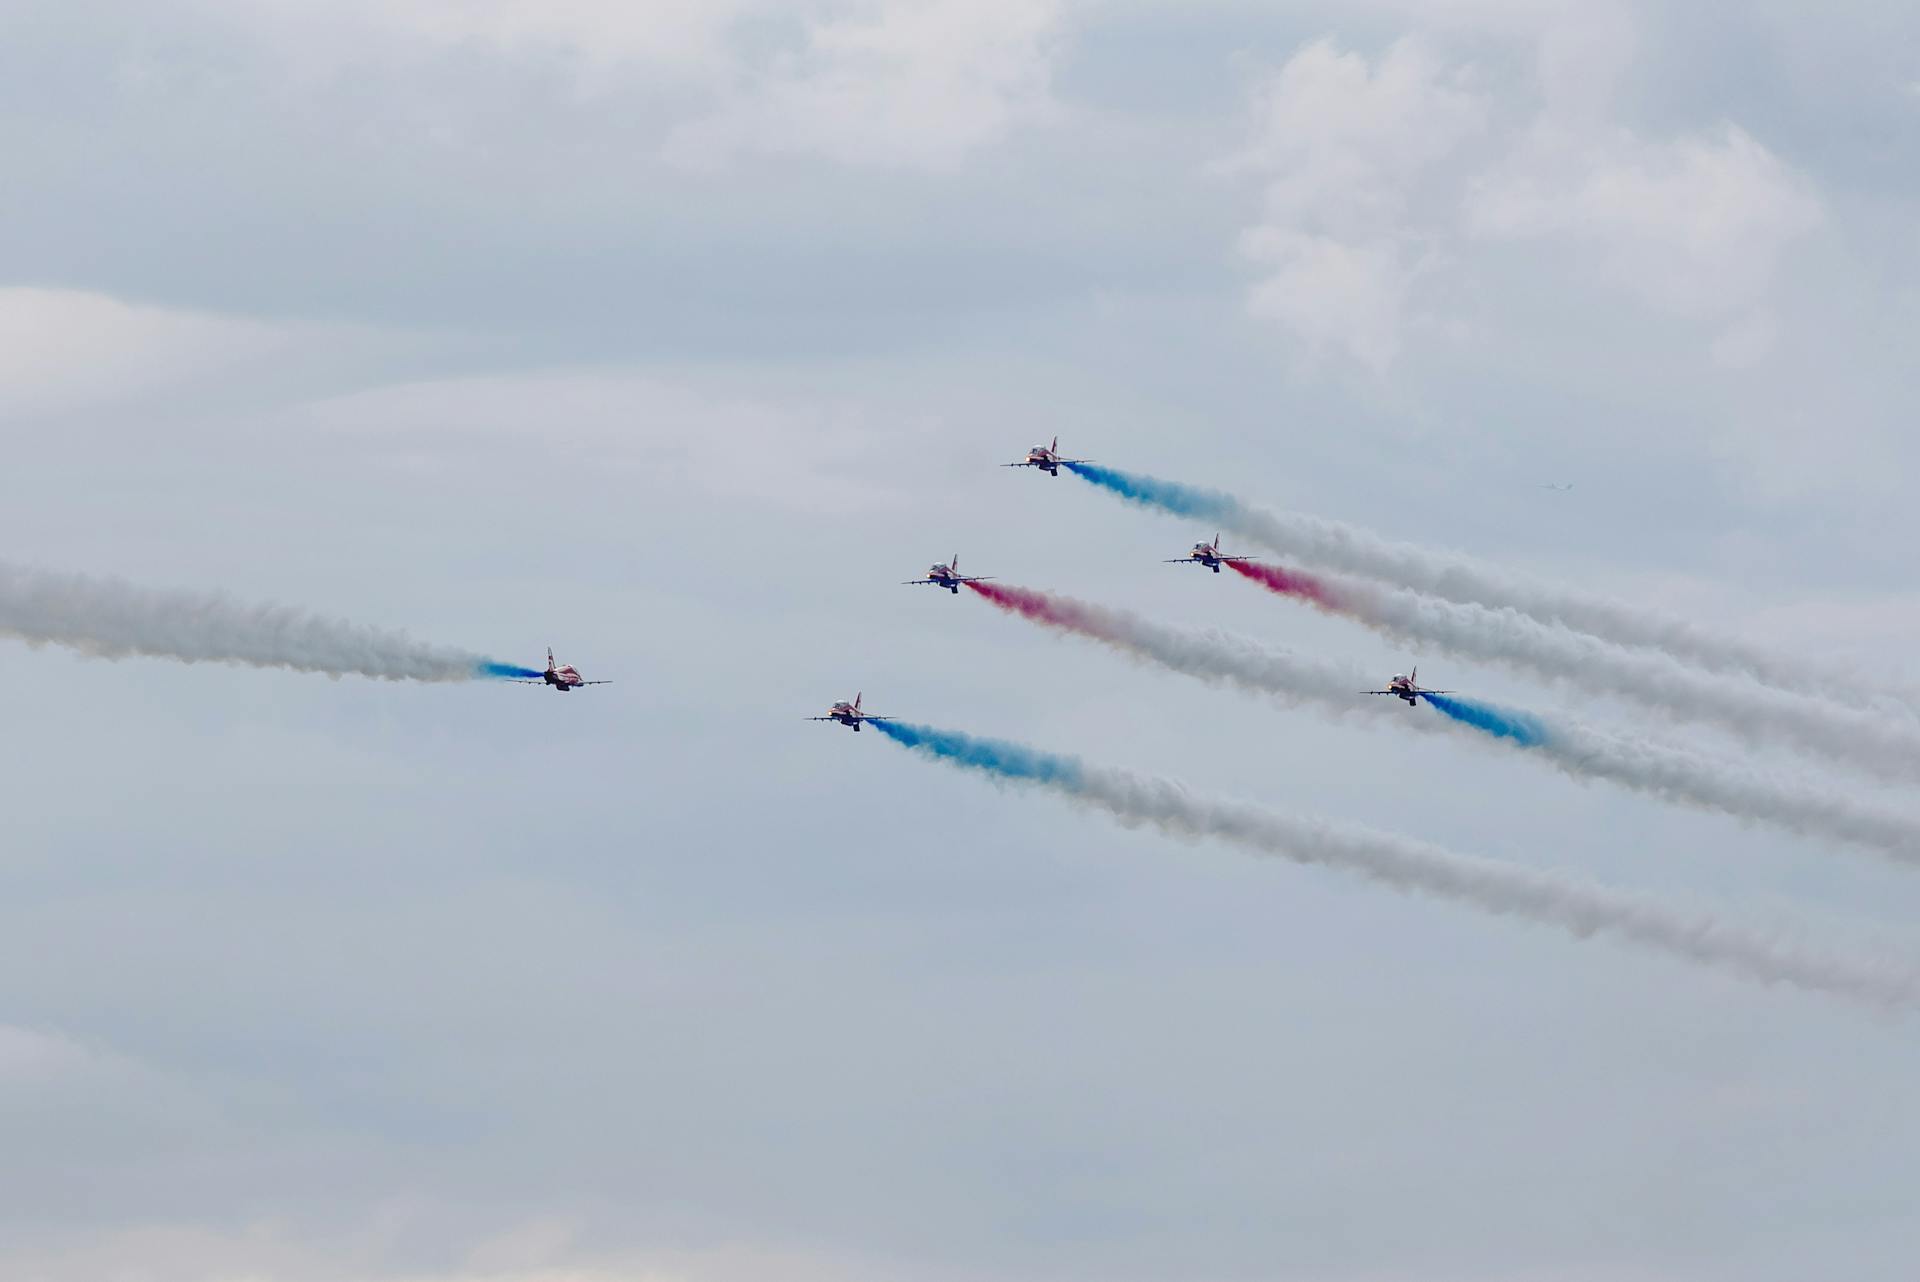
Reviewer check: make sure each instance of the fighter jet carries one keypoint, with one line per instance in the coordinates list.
(849, 714)
(561, 677)
(1046, 458)
(948, 576)
(1407, 688)
(1207, 554)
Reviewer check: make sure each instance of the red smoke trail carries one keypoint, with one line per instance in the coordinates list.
(1292, 583)
(1050, 610)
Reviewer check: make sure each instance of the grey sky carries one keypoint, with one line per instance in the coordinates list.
(674, 335)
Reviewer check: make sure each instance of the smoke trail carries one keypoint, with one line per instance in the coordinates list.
(1502, 723)
(1754, 713)
(509, 672)
(1450, 576)
(1581, 753)
(112, 619)
(1579, 907)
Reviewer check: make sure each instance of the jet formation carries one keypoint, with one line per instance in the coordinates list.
(1403, 686)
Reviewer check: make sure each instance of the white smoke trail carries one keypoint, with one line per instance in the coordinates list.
(1579, 751)
(1453, 577)
(1579, 907)
(113, 619)
(1754, 713)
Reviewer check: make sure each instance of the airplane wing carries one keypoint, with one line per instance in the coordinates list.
(911, 582)
(1178, 560)
(868, 716)
(1235, 558)
(1021, 463)
(972, 578)
(607, 682)
(1382, 692)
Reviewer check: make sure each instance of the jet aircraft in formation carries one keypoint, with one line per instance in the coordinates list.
(561, 677)
(849, 714)
(1046, 458)
(1207, 554)
(948, 576)
(1407, 688)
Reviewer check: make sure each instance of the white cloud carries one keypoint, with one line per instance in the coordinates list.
(910, 83)
(793, 457)
(677, 40)
(1376, 172)
(274, 1252)
(1695, 225)
(1331, 292)
(28, 1056)
(1746, 341)
(66, 349)
(917, 84)
(1342, 148)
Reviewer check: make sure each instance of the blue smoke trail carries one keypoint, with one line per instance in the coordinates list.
(507, 671)
(1168, 496)
(993, 756)
(1501, 723)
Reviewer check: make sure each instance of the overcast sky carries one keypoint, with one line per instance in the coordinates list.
(674, 334)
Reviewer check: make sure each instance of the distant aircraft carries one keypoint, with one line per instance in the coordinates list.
(562, 677)
(849, 714)
(1207, 554)
(1406, 687)
(948, 576)
(1046, 458)
(1562, 488)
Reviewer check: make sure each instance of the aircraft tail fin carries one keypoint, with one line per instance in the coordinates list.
(856, 701)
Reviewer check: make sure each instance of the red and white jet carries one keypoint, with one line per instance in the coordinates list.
(1406, 687)
(849, 714)
(1046, 458)
(948, 576)
(561, 677)
(1207, 554)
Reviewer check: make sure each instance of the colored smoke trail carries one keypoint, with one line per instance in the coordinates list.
(998, 757)
(1168, 496)
(509, 672)
(1579, 907)
(111, 619)
(1210, 655)
(1293, 583)
(1755, 713)
(1453, 577)
(1581, 753)
(1502, 723)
